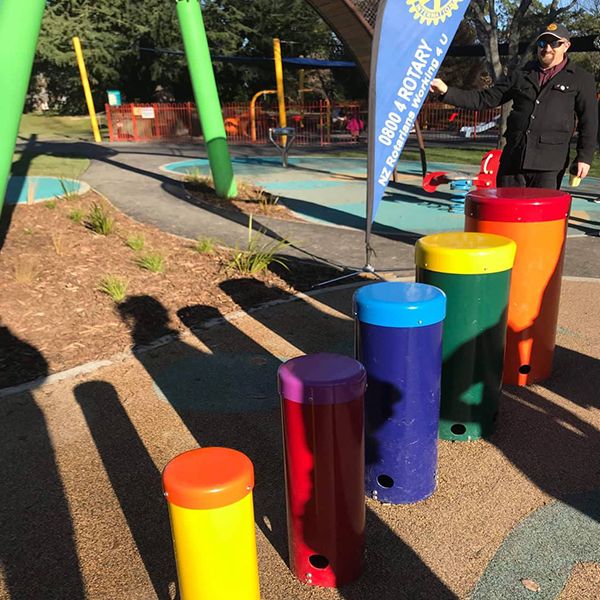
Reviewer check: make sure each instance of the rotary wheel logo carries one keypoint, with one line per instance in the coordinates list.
(432, 12)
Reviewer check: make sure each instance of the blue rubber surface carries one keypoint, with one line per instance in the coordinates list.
(332, 190)
(40, 188)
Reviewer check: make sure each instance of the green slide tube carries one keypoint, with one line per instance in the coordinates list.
(20, 24)
(206, 95)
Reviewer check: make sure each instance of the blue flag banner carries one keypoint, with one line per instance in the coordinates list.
(410, 41)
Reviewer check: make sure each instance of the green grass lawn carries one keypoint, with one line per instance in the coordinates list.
(55, 127)
(29, 163)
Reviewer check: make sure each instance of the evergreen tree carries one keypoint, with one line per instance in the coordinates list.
(123, 43)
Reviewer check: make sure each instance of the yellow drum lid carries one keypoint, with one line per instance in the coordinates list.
(468, 253)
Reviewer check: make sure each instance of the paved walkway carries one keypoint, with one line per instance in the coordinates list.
(131, 177)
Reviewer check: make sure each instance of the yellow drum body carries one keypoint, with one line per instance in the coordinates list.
(209, 494)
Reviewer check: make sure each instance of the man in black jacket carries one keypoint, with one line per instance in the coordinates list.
(547, 95)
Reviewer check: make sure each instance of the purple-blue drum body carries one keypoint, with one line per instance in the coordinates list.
(399, 341)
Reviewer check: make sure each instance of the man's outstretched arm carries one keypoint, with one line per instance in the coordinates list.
(474, 99)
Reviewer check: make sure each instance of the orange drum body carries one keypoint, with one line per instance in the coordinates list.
(536, 219)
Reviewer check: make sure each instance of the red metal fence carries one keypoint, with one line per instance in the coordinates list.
(316, 123)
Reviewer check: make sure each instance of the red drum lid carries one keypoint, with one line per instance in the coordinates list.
(526, 205)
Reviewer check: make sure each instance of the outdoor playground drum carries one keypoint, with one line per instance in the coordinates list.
(536, 219)
(209, 494)
(322, 402)
(399, 341)
(473, 270)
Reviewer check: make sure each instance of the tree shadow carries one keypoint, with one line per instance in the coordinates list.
(38, 551)
(334, 216)
(134, 478)
(225, 397)
(308, 339)
(548, 443)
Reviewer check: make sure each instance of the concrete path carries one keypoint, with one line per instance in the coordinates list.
(130, 176)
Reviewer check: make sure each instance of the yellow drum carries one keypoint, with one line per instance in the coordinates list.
(209, 493)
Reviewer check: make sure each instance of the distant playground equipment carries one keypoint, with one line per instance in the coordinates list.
(461, 185)
(86, 89)
(282, 138)
(473, 130)
(256, 96)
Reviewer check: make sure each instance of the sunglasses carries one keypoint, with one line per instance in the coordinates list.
(553, 44)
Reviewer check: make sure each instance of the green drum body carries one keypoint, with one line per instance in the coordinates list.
(474, 273)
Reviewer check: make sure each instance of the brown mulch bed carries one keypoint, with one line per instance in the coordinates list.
(53, 316)
(251, 200)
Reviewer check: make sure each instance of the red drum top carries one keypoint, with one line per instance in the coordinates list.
(527, 205)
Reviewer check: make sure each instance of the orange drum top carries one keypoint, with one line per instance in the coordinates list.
(208, 478)
(517, 205)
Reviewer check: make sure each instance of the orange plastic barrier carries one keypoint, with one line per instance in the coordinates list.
(536, 219)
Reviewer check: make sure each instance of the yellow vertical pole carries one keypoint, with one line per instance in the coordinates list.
(279, 81)
(86, 89)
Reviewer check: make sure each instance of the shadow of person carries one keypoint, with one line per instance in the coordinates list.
(134, 478)
(226, 396)
(37, 545)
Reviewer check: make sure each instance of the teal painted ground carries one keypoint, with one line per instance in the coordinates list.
(544, 547)
(21, 189)
(332, 190)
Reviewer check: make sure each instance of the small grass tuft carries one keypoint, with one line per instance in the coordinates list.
(51, 204)
(26, 270)
(258, 254)
(69, 193)
(115, 287)
(205, 245)
(248, 192)
(99, 221)
(57, 242)
(136, 242)
(197, 180)
(154, 262)
(76, 215)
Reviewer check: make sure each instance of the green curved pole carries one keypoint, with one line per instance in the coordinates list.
(206, 95)
(20, 24)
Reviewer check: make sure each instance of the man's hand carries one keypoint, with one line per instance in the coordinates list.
(437, 86)
(581, 169)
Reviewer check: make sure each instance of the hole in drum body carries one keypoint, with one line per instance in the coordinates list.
(458, 429)
(318, 561)
(385, 481)
(524, 369)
